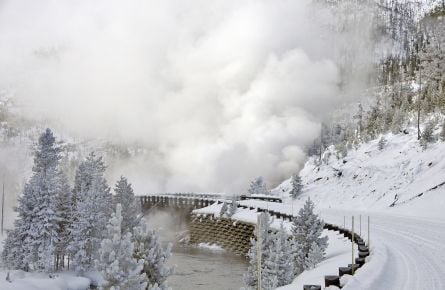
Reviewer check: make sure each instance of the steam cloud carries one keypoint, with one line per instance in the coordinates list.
(219, 91)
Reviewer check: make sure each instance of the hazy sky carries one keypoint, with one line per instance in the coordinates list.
(221, 91)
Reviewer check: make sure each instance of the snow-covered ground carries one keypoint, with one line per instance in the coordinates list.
(40, 281)
(400, 188)
(400, 179)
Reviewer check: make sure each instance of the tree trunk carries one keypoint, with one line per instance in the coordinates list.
(418, 104)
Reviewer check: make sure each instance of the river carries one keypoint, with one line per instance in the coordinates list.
(197, 268)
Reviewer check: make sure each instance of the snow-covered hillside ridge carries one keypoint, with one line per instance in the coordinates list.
(401, 177)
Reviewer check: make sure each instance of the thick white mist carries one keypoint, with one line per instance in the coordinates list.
(219, 91)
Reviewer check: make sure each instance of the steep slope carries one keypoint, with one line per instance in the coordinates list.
(401, 178)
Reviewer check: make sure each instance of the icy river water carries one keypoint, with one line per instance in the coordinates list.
(197, 268)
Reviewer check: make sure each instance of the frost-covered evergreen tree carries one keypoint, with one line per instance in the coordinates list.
(442, 132)
(118, 267)
(315, 255)
(131, 210)
(258, 186)
(18, 245)
(297, 186)
(223, 210)
(148, 249)
(233, 207)
(382, 143)
(268, 257)
(38, 224)
(93, 207)
(307, 229)
(285, 260)
(428, 135)
(13, 251)
(269, 271)
(63, 206)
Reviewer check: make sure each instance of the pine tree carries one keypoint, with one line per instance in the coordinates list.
(17, 253)
(257, 186)
(268, 271)
(148, 249)
(63, 205)
(233, 207)
(307, 229)
(223, 210)
(427, 135)
(13, 254)
(315, 256)
(382, 143)
(285, 260)
(37, 226)
(442, 132)
(118, 267)
(131, 209)
(93, 207)
(297, 186)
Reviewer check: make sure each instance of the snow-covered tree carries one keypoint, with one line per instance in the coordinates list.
(13, 255)
(17, 249)
(131, 210)
(39, 215)
(258, 186)
(268, 257)
(148, 249)
(382, 143)
(285, 251)
(120, 270)
(92, 210)
(64, 211)
(307, 230)
(297, 186)
(442, 132)
(427, 135)
(223, 210)
(315, 256)
(233, 207)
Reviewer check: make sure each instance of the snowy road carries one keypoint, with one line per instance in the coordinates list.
(409, 253)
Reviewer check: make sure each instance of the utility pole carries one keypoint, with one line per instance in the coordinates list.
(3, 206)
(353, 260)
(259, 243)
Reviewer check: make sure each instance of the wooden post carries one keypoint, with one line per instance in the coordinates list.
(352, 231)
(259, 242)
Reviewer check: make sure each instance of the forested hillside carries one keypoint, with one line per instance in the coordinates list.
(406, 87)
